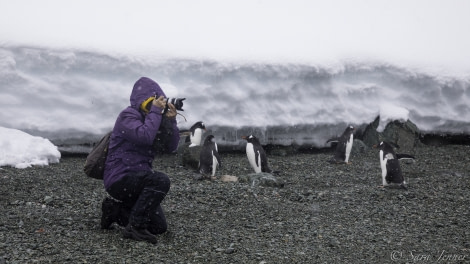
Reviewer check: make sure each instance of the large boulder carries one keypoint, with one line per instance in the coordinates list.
(358, 147)
(189, 155)
(371, 137)
(403, 134)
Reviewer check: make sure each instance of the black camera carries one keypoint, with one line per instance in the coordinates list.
(177, 102)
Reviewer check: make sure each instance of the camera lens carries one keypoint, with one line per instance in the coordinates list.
(178, 103)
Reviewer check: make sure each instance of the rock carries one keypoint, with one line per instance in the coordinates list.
(48, 199)
(229, 250)
(262, 179)
(229, 178)
(358, 147)
(403, 134)
(371, 136)
(189, 155)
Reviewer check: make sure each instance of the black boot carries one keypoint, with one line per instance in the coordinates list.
(107, 213)
(113, 211)
(139, 234)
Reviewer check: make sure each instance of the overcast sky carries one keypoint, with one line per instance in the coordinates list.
(425, 33)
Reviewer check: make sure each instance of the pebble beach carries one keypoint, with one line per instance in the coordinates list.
(324, 213)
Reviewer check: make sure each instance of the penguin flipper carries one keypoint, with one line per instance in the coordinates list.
(341, 148)
(257, 158)
(405, 156)
(332, 140)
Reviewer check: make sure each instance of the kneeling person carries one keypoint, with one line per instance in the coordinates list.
(128, 177)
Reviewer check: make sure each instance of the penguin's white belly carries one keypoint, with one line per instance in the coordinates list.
(250, 153)
(383, 166)
(348, 148)
(196, 139)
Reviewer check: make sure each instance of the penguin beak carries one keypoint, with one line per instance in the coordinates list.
(374, 146)
(244, 137)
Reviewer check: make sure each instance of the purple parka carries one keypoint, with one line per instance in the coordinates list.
(130, 146)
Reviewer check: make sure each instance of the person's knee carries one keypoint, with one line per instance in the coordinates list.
(167, 182)
(163, 182)
(159, 181)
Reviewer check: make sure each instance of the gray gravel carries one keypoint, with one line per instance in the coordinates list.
(324, 213)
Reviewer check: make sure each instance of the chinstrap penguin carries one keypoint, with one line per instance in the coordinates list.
(256, 154)
(391, 171)
(209, 157)
(343, 149)
(195, 135)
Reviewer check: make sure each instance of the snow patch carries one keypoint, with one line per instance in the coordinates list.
(21, 150)
(389, 113)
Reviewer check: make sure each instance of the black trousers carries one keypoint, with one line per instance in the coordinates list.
(141, 194)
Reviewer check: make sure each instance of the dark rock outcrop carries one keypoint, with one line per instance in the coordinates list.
(358, 147)
(189, 155)
(403, 134)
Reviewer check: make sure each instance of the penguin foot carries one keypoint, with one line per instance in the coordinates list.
(381, 186)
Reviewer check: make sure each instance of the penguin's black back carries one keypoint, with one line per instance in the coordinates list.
(340, 151)
(205, 157)
(264, 159)
(394, 174)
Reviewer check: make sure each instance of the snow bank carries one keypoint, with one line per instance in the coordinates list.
(73, 97)
(21, 150)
